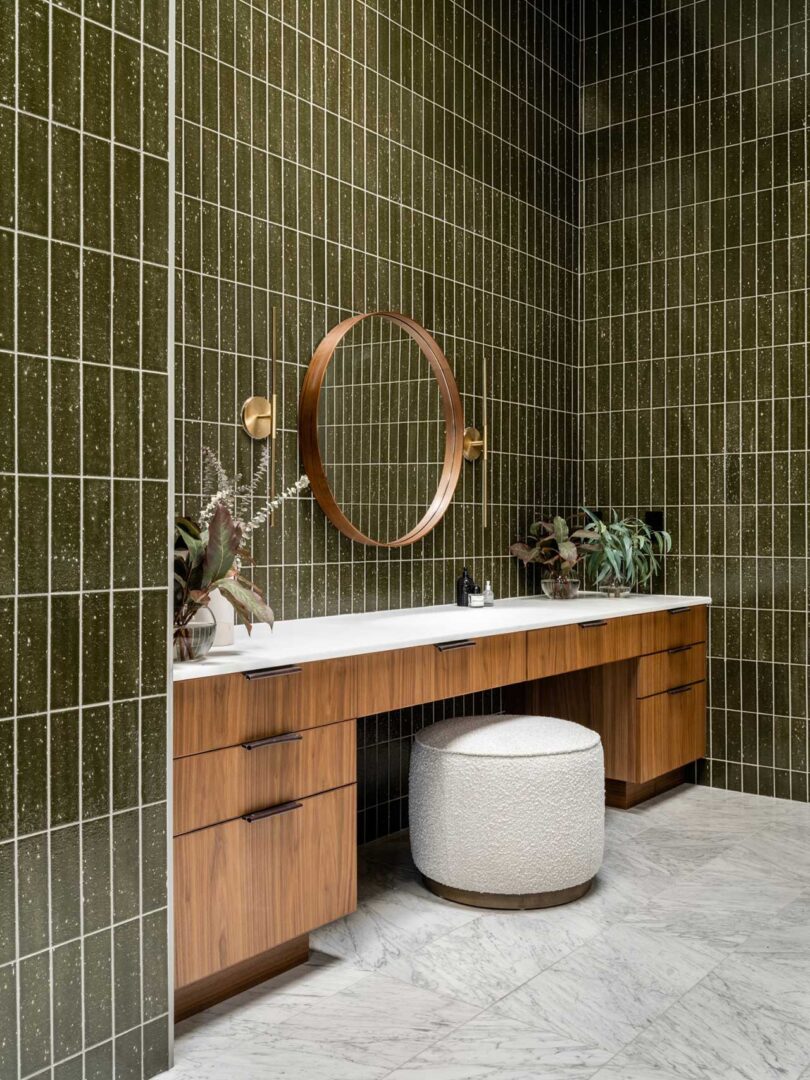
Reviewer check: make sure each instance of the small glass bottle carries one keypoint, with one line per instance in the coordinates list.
(489, 595)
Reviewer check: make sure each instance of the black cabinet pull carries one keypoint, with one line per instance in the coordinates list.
(679, 690)
(447, 646)
(593, 622)
(271, 740)
(677, 610)
(679, 648)
(271, 811)
(272, 672)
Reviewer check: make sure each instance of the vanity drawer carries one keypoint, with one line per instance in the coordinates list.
(224, 784)
(670, 731)
(245, 887)
(677, 666)
(673, 628)
(590, 643)
(403, 677)
(223, 710)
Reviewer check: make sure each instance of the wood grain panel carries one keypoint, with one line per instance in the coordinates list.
(223, 710)
(560, 649)
(675, 627)
(671, 731)
(224, 784)
(662, 671)
(403, 677)
(241, 889)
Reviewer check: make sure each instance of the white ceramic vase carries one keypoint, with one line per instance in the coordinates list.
(224, 614)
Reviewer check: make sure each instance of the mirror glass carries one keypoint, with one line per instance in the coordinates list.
(381, 429)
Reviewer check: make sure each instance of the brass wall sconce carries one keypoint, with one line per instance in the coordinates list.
(476, 445)
(260, 414)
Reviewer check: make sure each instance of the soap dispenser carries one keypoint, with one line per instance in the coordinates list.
(489, 595)
(464, 586)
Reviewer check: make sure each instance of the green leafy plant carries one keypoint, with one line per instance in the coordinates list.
(208, 559)
(555, 547)
(623, 553)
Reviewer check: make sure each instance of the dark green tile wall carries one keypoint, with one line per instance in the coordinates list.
(694, 343)
(84, 475)
(344, 157)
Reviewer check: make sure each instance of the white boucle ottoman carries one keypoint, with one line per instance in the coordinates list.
(507, 811)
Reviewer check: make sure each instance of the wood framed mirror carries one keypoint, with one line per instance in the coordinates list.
(381, 429)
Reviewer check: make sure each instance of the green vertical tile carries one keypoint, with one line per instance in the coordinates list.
(66, 68)
(65, 884)
(98, 90)
(32, 89)
(126, 526)
(65, 771)
(126, 865)
(65, 185)
(67, 1000)
(127, 966)
(156, 1047)
(155, 210)
(153, 641)
(126, 314)
(32, 157)
(32, 406)
(32, 774)
(126, 202)
(127, 76)
(96, 188)
(72, 1069)
(153, 749)
(8, 922)
(32, 295)
(8, 1020)
(7, 279)
(125, 769)
(97, 515)
(96, 416)
(8, 43)
(153, 856)
(98, 991)
(65, 651)
(155, 965)
(65, 303)
(33, 505)
(155, 425)
(126, 644)
(97, 306)
(65, 414)
(32, 893)
(98, 1062)
(35, 1013)
(152, 531)
(66, 535)
(32, 654)
(96, 646)
(128, 1056)
(156, 101)
(96, 874)
(155, 326)
(126, 424)
(95, 763)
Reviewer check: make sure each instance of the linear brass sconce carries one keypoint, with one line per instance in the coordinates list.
(476, 444)
(260, 414)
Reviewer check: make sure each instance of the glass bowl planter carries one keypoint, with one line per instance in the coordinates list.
(616, 590)
(193, 640)
(560, 588)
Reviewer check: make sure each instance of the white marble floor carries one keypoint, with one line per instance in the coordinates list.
(689, 960)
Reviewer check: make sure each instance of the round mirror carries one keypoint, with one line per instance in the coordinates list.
(381, 429)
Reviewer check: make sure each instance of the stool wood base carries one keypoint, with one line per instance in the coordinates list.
(508, 901)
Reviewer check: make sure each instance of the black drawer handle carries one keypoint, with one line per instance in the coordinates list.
(272, 672)
(593, 623)
(680, 690)
(448, 646)
(271, 740)
(680, 648)
(271, 811)
(677, 610)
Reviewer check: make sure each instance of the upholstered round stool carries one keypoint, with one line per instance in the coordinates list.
(507, 811)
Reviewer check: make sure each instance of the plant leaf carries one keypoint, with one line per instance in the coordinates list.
(246, 600)
(560, 529)
(568, 552)
(222, 544)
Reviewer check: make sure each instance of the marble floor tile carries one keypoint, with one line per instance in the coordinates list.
(609, 989)
(492, 955)
(493, 1048)
(688, 960)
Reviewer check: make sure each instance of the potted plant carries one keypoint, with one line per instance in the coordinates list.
(557, 549)
(623, 553)
(205, 560)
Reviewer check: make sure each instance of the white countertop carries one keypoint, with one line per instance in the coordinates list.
(301, 640)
